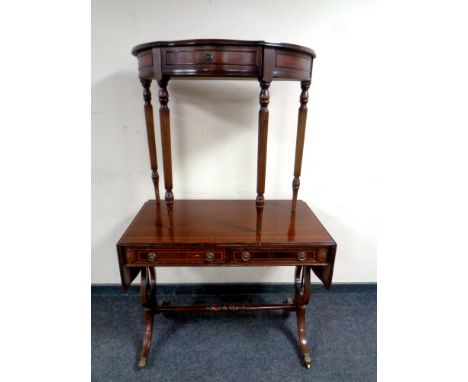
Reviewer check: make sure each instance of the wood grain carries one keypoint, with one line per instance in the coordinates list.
(224, 222)
(164, 118)
(301, 126)
(150, 135)
(224, 59)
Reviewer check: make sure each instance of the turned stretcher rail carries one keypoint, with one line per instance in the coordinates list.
(225, 308)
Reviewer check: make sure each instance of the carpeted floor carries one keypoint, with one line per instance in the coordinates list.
(259, 346)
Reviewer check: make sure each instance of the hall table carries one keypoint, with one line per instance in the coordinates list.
(223, 233)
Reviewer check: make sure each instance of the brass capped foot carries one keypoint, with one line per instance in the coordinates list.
(142, 362)
(307, 360)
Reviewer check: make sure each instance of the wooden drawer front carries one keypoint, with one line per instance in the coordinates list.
(308, 256)
(146, 257)
(145, 64)
(292, 65)
(208, 60)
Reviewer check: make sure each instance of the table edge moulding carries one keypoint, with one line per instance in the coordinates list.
(220, 233)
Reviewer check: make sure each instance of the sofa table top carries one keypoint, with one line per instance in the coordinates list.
(225, 222)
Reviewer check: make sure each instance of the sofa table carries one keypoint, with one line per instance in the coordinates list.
(223, 233)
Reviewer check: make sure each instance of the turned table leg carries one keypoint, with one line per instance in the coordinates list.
(262, 142)
(301, 125)
(164, 118)
(150, 135)
(301, 299)
(148, 299)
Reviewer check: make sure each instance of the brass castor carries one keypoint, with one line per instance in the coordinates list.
(142, 362)
(307, 360)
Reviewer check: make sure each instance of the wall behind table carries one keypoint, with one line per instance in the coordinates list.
(214, 125)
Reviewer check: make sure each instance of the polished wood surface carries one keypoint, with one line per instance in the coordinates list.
(150, 135)
(224, 58)
(300, 136)
(223, 233)
(225, 222)
(155, 256)
(208, 60)
(262, 141)
(223, 43)
(164, 120)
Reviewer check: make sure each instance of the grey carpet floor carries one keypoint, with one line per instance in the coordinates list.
(249, 346)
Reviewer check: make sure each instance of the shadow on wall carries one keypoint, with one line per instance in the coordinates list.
(354, 247)
(207, 119)
(224, 109)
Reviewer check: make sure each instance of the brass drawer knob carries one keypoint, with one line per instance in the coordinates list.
(245, 256)
(151, 256)
(301, 256)
(209, 256)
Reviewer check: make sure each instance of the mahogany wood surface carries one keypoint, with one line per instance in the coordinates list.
(300, 136)
(262, 141)
(221, 42)
(225, 222)
(164, 119)
(224, 58)
(150, 135)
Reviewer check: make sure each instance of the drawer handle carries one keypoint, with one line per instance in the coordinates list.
(245, 256)
(208, 58)
(301, 256)
(152, 256)
(209, 256)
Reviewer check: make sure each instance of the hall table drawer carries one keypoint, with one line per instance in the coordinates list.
(275, 257)
(148, 257)
(208, 60)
